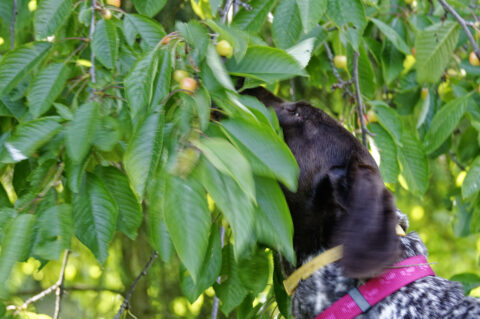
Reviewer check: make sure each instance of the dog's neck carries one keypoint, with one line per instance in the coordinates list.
(328, 284)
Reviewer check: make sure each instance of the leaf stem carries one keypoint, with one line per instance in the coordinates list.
(463, 24)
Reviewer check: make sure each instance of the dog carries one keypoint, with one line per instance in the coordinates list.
(341, 200)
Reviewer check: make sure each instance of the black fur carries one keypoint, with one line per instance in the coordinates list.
(341, 199)
(339, 187)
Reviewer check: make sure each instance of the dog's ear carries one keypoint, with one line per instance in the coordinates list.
(367, 230)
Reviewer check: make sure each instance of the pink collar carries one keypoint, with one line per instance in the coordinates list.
(359, 300)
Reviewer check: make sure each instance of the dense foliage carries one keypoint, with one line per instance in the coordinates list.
(125, 136)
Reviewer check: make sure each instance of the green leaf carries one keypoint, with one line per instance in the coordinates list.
(348, 16)
(445, 121)
(143, 151)
(150, 30)
(157, 229)
(392, 60)
(392, 35)
(163, 79)
(28, 137)
(218, 68)
(188, 221)
(253, 20)
(389, 119)
(366, 76)
(237, 38)
(19, 62)
(63, 111)
(196, 35)
(469, 281)
(149, 8)
(254, 271)
(228, 160)
(50, 16)
(107, 134)
(286, 27)
(105, 43)
(54, 230)
(273, 224)
(46, 87)
(434, 46)
(208, 273)
(266, 64)
(231, 292)
(388, 151)
(414, 163)
(471, 184)
(129, 210)
(139, 82)
(232, 202)
(267, 148)
(302, 51)
(311, 11)
(15, 246)
(95, 216)
(81, 131)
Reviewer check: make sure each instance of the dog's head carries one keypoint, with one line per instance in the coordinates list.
(341, 198)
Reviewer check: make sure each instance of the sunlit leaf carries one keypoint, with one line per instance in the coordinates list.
(471, 184)
(414, 163)
(105, 43)
(267, 64)
(267, 148)
(233, 202)
(253, 20)
(287, 26)
(50, 16)
(445, 121)
(434, 47)
(27, 138)
(228, 160)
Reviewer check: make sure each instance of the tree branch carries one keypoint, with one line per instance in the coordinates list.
(358, 95)
(59, 290)
(125, 302)
(12, 25)
(463, 24)
(57, 286)
(92, 55)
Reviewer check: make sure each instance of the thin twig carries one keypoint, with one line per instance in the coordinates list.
(216, 301)
(463, 24)
(12, 25)
(341, 83)
(92, 55)
(47, 291)
(225, 11)
(358, 95)
(59, 290)
(125, 302)
(455, 160)
(75, 288)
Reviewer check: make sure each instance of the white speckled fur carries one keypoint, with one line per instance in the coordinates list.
(427, 298)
